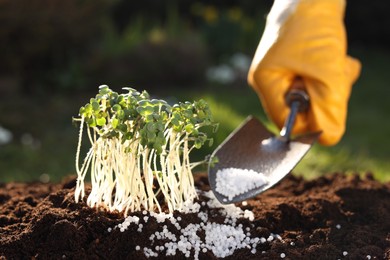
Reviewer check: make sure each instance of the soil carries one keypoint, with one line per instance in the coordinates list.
(332, 217)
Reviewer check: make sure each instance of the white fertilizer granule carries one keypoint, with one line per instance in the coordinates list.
(231, 182)
(174, 237)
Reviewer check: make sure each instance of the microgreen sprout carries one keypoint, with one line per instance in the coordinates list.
(139, 150)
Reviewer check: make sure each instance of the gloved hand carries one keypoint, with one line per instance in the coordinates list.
(306, 39)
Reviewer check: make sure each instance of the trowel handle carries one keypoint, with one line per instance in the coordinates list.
(300, 96)
(298, 101)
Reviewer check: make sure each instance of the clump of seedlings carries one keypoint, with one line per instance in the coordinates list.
(140, 150)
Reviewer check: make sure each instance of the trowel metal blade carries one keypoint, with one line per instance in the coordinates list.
(252, 146)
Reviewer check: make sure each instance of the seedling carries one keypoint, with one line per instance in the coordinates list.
(140, 150)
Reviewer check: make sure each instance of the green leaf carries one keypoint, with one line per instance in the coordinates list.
(195, 132)
(198, 144)
(95, 106)
(211, 142)
(151, 136)
(201, 114)
(158, 148)
(215, 127)
(161, 138)
(145, 95)
(200, 140)
(175, 122)
(189, 128)
(88, 108)
(114, 123)
(121, 114)
(128, 135)
(159, 126)
(177, 128)
(104, 89)
(116, 108)
(122, 127)
(91, 122)
(101, 121)
(151, 127)
(82, 111)
(145, 111)
(213, 161)
(112, 134)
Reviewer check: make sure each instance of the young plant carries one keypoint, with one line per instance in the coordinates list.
(140, 150)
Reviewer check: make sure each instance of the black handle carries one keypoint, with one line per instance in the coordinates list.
(298, 101)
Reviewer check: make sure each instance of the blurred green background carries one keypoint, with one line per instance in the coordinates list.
(55, 54)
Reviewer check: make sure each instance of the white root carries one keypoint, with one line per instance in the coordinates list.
(122, 174)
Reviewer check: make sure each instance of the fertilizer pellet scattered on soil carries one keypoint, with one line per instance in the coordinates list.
(345, 253)
(305, 212)
(231, 182)
(282, 255)
(338, 226)
(220, 239)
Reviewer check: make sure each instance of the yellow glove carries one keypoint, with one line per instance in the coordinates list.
(306, 39)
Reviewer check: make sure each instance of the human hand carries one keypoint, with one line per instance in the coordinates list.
(304, 44)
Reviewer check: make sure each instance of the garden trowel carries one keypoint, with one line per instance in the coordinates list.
(252, 148)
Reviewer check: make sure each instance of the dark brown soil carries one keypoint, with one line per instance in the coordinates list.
(318, 219)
